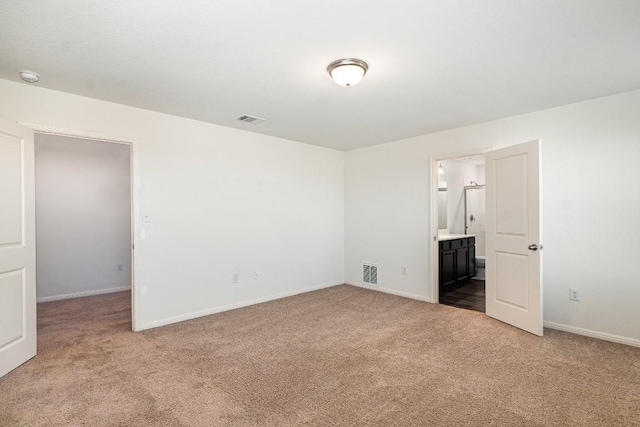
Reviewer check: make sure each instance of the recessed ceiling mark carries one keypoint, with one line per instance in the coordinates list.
(250, 119)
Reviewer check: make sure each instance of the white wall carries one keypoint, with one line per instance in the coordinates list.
(590, 154)
(83, 220)
(220, 200)
(223, 200)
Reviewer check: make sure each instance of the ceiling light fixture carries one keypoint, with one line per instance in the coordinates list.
(29, 76)
(440, 169)
(347, 72)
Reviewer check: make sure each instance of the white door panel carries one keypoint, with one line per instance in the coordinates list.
(17, 247)
(513, 286)
(511, 195)
(10, 179)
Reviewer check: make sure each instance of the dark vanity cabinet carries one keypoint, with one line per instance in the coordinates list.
(457, 261)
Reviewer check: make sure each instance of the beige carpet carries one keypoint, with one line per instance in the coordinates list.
(339, 356)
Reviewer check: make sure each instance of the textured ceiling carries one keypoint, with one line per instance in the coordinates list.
(434, 65)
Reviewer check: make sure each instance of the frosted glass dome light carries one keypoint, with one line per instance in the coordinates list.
(347, 72)
(29, 76)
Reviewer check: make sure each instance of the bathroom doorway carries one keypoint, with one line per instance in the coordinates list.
(461, 233)
(509, 229)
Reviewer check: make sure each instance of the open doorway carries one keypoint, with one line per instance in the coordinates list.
(461, 233)
(512, 226)
(83, 236)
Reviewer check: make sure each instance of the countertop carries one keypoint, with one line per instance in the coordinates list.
(453, 236)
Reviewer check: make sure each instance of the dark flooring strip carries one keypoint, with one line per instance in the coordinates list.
(470, 296)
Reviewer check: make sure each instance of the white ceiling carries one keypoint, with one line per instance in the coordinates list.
(434, 65)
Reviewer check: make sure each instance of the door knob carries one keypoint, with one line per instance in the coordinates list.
(533, 247)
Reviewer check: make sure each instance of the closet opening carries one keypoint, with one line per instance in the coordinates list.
(84, 238)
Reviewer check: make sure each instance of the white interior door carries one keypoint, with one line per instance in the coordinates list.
(513, 233)
(17, 247)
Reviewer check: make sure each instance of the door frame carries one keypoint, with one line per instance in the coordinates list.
(134, 189)
(433, 197)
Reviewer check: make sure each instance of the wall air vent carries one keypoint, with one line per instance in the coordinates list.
(250, 119)
(370, 274)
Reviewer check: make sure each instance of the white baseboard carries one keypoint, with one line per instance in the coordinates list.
(593, 334)
(83, 294)
(390, 291)
(215, 310)
(559, 326)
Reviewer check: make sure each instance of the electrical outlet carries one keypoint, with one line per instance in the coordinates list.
(404, 270)
(255, 275)
(574, 294)
(119, 267)
(235, 278)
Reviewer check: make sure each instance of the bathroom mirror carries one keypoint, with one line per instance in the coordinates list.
(442, 206)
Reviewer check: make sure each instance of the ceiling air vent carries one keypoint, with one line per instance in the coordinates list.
(250, 119)
(370, 274)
